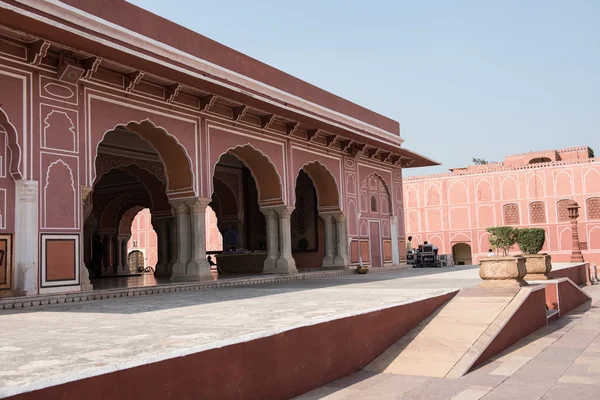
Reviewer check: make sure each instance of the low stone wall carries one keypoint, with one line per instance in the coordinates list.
(274, 367)
(529, 317)
(577, 273)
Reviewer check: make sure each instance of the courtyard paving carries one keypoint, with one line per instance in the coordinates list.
(52, 344)
(49, 345)
(560, 361)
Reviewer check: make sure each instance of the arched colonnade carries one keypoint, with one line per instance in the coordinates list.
(140, 165)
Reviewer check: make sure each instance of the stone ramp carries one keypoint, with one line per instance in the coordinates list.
(476, 323)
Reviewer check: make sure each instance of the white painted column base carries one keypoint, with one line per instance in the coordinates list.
(341, 259)
(270, 264)
(183, 241)
(198, 268)
(285, 263)
(26, 238)
(329, 240)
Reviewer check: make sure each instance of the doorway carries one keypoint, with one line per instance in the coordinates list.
(375, 240)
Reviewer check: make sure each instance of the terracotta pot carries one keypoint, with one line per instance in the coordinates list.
(502, 271)
(538, 266)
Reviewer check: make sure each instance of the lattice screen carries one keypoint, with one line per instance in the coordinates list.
(511, 214)
(537, 212)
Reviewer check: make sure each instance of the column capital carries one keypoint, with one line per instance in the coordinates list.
(180, 206)
(284, 211)
(199, 204)
(339, 216)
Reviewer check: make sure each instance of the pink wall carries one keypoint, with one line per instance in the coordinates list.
(457, 207)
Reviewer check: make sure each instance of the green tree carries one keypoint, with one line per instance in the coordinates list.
(502, 237)
(479, 161)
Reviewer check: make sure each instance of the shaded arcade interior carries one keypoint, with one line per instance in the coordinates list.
(252, 230)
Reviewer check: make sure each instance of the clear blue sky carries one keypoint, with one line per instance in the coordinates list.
(464, 78)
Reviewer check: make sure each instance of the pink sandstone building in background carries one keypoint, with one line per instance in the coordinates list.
(453, 210)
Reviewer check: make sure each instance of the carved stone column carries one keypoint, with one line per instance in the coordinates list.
(182, 212)
(573, 210)
(173, 246)
(86, 210)
(285, 263)
(270, 264)
(124, 255)
(341, 258)
(394, 233)
(329, 239)
(162, 230)
(198, 267)
(26, 238)
(116, 256)
(107, 254)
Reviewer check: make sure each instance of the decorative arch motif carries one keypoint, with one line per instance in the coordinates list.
(176, 161)
(458, 193)
(536, 187)
(56, 125)
(412, 195)
(376, 186)
(262, 169)
(484, 193)
(563, 184)
(327, 189)
(509, 188)
(591, 181)
(432, 195)
(60, 207)
(13, 146)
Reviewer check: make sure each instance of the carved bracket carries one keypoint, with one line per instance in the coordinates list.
(38, 51)
(292, 128)
(311, 134)
(266, 121)
(372, 152)
(206, 102)
(239, 112)
(356, 150)
(132, 79)
(172, 91)
(91, 66)
(329, 140)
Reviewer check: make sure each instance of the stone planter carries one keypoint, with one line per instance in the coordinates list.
(502, 271)
(538, 266)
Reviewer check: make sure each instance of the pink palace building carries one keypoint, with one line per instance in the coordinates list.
(453, 210)
(107, 109)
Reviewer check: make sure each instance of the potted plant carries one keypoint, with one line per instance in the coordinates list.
(531, 241)
(505, 270)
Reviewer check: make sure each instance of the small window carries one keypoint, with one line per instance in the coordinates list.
(373, 203)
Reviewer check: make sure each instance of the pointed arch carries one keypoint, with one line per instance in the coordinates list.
(328, 197)
(262, 169)
(13, 146)
(386, 190)
(180, 179)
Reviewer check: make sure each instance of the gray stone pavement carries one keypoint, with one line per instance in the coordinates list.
(560, 361)
(52, 344)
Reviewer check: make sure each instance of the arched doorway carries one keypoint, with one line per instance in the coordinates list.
(377, 224)
(131, 175)
(252, 217)
(318, 226)
(462, 254)
(135, 261)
